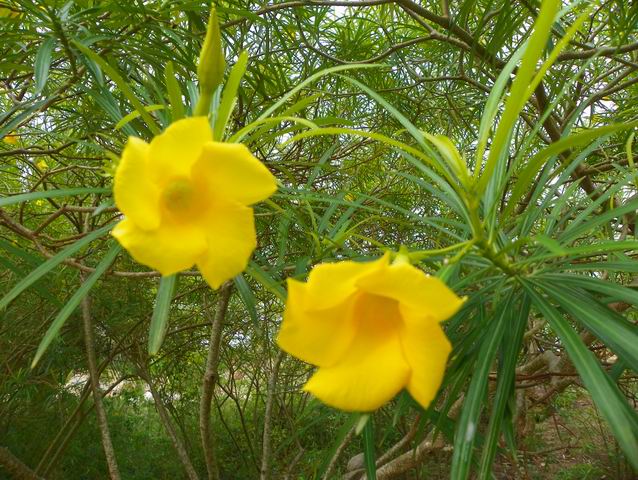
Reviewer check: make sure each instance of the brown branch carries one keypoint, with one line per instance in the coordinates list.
(28, 151)
(549, 125)
(401, 444)
(168, 425)
(15, 467)
(270, 398)
(74, 421)
(449, 25)
(307, 3)
(597, 52)
(32, 236)
(333, 461)
(107, 444)
(374, 59)
(209, 381)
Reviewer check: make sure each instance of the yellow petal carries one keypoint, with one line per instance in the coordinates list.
(415, 291)
(173, 152)
(169, 249)
(372, 372)
(230, 232)
(231, 172)
(330, 284)
(426, 348)
(320, 337)
(10, 139)
(135, 195)
(373, 369)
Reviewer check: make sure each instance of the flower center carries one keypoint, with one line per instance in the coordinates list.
(377, 315)
(179, 197)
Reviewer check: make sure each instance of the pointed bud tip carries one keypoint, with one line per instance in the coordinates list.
(211, 66)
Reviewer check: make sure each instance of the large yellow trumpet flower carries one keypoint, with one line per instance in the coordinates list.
(185, 200)
(372, 329)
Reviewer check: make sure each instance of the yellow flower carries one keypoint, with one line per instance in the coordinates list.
(185, 199)
(10, 139)
(372, 329)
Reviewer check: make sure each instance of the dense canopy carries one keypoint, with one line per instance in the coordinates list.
(488, 143)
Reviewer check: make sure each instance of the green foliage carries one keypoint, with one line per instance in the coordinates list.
(493, 142)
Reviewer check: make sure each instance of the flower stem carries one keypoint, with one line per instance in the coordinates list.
(203, 104)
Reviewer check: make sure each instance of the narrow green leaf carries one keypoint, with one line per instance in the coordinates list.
(613, 329)
(241, 134)
(369, 455)
(511, 345)
(42, 288)
(309, 80)
(17, 118)
(598, 248)
(26, 197)
(302, 103)
(43, 63)
(31, 259)
(246, 294)
(451, 155)
(174, 92)
(528, 174)
(124, 87)
(618, 414)
(550, 244)
(585, 222)
(619, 293)
(491, 106)
(325, 156)
(560, 46)
(630, 156)
(159, 321)
(74, 301)
(627, 266)
(259, 275)
(467, 425)
(518, 93)
(617, 370)
(229, 95)
(51, 263)
(135, 114)
(375, 136)
(407, 124)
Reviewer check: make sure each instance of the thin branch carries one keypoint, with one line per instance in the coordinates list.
(333, 461)
(266, 446)
(15, 467)
(307, 3)
(107, 444)
(168, 425)
(209, 381)
(597, 52)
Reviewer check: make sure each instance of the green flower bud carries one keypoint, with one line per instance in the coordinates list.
(451, 156)
(210, 69)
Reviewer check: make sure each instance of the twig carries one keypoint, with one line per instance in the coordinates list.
(333, 461)
(107, 444)
(15, 467)
(168, 425)
(266, 447)
(209, 381)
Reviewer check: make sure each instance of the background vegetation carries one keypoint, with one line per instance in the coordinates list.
(541, 382)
